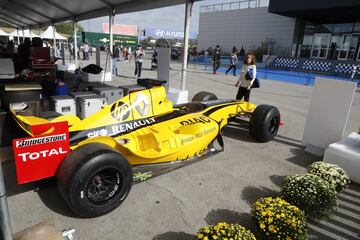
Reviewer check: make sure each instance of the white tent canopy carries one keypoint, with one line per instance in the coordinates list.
(2, 33)
(49, 34)
(26, 33)
(34, 13)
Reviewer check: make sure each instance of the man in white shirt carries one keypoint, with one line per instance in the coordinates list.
(86, 51)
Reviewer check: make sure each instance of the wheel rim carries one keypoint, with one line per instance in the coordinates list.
(103, 186)
(274, 125)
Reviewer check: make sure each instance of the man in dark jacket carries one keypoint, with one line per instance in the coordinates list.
(216, 59)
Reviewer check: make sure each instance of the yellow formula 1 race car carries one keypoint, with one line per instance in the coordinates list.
(137, 137)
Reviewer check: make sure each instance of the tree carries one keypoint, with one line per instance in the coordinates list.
(67, 28)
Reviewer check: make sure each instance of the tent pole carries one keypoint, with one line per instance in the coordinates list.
(54, 36)
(111, 45)
(75, 42)
(5, 222)
(18, 37)
(23, 33)
(188, 8)
(30, 33)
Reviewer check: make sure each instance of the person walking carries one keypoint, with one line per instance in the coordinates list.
(114, 65)
(246, 78)
(139, 58)
(216, 59)
(233, 62)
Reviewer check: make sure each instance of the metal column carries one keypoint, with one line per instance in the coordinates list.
(23, 33)
(5, 223)
(111, 44)
(75, 42)
(188, 8)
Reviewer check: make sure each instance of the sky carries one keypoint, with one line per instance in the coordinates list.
(171, 18)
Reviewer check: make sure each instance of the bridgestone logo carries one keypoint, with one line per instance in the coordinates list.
(40, 140)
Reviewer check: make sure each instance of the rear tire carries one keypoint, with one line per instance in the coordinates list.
(264, 123)
(204, 96)
(94, 179)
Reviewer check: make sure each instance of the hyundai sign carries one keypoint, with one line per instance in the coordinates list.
(167, 34)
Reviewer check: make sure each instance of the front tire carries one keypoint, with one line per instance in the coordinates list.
(264, 123)
(204, 96)
(94, 179)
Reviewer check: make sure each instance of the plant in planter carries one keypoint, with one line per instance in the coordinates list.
(315, 196)
(331, 173)
(277, 219)
(223, 231)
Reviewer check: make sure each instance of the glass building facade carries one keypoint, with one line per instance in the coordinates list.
(339, 41)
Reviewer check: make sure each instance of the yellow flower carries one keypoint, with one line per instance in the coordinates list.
(214, 237)
(262, 226)
(271, 228)
(288, 238)
(200, 236)
(264, 213)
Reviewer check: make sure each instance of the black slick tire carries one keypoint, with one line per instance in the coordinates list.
(204, 96)
(94, 179)
(264, 123)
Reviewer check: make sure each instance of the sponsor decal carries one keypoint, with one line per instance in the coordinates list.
(39, 157)
(121, 128)
(39, 140)
(98, 133)
(142, 104)
(120, 111)
(139, 176)
(198, 135)
(127, 127)
(41, 154)
(192, 121)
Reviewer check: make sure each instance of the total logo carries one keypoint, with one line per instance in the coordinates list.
(41, 154)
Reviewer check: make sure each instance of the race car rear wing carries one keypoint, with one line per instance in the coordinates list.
(27, 123)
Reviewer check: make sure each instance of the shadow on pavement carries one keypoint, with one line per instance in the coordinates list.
(236, 132)
(228, 216)
(175, 236)
(277, 179)
(50, 196)
(251, 193)
(302, 158)
(11, 184)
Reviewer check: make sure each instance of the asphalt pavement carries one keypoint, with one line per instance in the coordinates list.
(221, 188)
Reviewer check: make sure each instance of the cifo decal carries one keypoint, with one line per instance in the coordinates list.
(195, 120)
(98, 133)
(40, 140)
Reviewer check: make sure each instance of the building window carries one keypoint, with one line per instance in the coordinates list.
(343, 28)
(311, 28)
(357, 27)
(306, 46)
